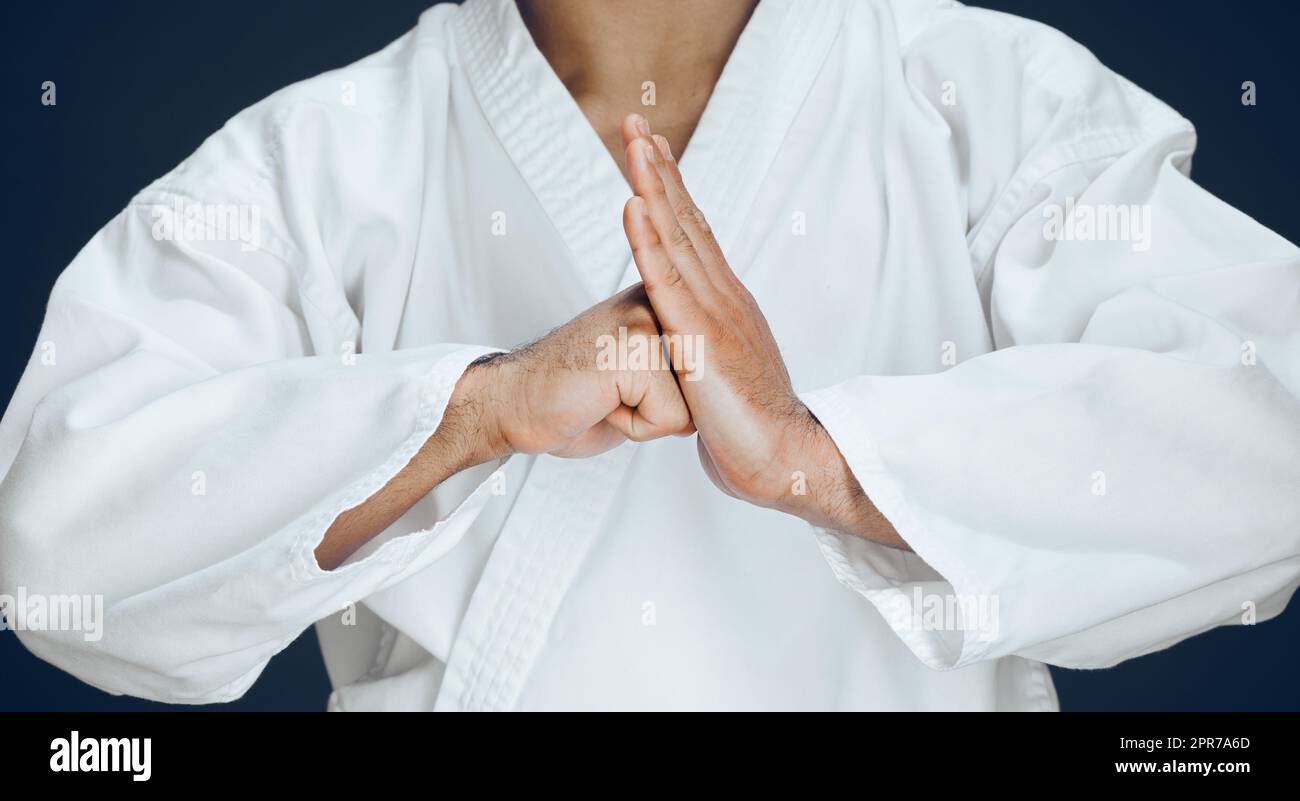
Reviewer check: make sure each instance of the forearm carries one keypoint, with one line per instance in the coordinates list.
(466, 437)
(550, 396)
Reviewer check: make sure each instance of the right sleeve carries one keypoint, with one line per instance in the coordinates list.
(175, 449)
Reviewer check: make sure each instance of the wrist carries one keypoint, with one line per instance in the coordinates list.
(803, 461)
(823, 491)
(476, 409)
(836, 500)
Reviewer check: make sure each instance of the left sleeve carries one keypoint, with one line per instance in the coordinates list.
(1123, 472)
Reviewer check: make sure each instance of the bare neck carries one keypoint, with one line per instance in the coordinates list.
(616, 56)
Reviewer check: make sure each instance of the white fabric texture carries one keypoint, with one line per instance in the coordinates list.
(1093, 439)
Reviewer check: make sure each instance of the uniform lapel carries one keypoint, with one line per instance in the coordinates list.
(753, 105)
(564, 503)
(562, 159)
(547, 137)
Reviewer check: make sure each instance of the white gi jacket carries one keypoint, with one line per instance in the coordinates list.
(1088, 432)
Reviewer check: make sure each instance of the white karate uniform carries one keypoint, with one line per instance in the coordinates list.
(1089, 434)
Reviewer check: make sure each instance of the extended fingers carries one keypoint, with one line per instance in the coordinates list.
(681, 225)
(634, 125)
(688, 214)
(664, 282)
(649, 186)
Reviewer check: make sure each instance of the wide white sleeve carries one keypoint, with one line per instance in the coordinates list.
(1123, 471)
(175, 449)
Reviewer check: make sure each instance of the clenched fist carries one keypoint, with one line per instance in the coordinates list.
(558, 396)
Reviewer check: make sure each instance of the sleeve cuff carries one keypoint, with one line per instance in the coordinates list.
(925, 596)
(411, 552)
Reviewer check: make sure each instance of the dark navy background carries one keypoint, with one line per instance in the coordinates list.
(140, 85)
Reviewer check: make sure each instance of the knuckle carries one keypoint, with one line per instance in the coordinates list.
(692, 214)
(670, 280)
(640, 321)
(679, 239)
(637, 313)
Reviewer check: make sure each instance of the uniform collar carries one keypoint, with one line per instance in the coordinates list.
(560, 156)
